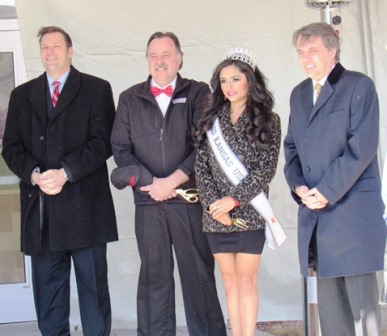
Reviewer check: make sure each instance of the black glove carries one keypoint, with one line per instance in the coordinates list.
(133, 175)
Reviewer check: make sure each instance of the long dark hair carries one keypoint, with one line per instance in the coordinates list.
(259, 105)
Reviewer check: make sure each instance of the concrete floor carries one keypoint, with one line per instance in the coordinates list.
(31, 329)
(284, 328)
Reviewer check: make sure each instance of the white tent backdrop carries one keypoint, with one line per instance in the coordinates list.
(109, 41)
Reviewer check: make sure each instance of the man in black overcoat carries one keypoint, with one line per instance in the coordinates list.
(57, 141)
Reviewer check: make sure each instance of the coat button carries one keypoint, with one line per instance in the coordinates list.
(308, 169)
(41, 138)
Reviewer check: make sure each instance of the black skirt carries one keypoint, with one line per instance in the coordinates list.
(237, 242)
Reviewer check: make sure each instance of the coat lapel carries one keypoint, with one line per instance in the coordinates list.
(327, 90)
(38, 97)
(307, 97)
(69, 91)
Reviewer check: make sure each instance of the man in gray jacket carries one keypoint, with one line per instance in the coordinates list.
(332, 169)
(152, 146)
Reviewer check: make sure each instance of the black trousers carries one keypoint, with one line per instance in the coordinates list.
(158, 228)
(51, 286)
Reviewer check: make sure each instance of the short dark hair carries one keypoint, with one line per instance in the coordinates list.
(324, 30)
(53, 29)
(172, 36)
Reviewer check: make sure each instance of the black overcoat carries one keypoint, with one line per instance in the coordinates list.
(76, 136)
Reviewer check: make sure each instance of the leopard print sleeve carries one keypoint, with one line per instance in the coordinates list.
(204, 180)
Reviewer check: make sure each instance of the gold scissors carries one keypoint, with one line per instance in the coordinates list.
(190, 195)
(239, 222)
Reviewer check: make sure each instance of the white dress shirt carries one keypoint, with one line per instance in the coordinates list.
(162, 99)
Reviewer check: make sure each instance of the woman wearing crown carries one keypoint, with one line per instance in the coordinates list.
(238, 140)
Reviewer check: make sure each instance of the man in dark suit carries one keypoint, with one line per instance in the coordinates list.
(57, 141)
(153, 133)
(332, 169)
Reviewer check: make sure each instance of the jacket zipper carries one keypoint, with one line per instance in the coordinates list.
(162, 146)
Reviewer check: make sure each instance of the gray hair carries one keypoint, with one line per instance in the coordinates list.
(329, 37)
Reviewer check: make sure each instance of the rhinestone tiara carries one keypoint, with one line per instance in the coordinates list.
(243, 55)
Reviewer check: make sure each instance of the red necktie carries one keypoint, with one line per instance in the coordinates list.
(55, 93)
(156, 91)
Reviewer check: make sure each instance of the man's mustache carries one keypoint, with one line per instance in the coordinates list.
(161, 66)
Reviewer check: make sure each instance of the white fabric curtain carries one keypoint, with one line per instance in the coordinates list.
(109, 41)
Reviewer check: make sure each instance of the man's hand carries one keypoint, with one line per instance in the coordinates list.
(51, 181)
(163, 189)
(312, 198)
(160, 189)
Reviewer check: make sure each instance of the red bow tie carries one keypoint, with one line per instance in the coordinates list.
(156, 91)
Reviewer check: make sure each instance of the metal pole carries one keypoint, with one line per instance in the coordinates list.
(332, 16)
(311, 319)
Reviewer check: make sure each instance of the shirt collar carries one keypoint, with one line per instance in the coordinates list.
(62, 80)
(173, 84)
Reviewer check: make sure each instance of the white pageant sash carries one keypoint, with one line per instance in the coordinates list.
(236, 171)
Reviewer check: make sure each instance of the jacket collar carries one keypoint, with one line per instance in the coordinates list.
(335, 74)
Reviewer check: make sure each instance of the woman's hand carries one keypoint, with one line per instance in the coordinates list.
(219, 210)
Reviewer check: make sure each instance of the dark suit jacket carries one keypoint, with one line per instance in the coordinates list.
(332, 146)
(78, 137)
